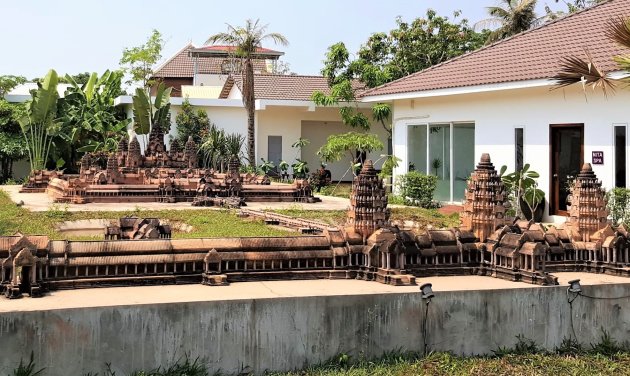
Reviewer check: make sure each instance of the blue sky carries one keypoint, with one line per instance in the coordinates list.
(74, 36)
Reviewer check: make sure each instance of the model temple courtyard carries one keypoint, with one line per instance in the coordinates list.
(231, 211)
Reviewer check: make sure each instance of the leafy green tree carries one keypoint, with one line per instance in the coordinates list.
(409, 48)
(351, 146)
(8, 82)
(12, 144)
(511, 17)
(138, 61)
(191, 122)
(41, 123)
(246, 40)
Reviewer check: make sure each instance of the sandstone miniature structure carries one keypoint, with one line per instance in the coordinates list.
(368, 247)
(161, 175)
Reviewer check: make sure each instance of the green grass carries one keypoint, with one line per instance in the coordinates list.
(445, 364)
(338, 217)
(205, 223)
(396, 364)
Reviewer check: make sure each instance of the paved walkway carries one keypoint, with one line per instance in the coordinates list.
(39, 202)
(116, 296)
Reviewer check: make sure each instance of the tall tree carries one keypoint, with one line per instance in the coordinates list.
(193, 122)
(12, 144)
(572, 7)
(410, 47)
(246, 41)
(138, 61)
(510, 17)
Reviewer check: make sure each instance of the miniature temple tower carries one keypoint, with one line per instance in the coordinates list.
(190, 153)
(588, 212)
(485, 201)
(121, 153)
(134, 154)
(368, 202)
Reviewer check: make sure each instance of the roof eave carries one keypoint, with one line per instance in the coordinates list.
(459, 90)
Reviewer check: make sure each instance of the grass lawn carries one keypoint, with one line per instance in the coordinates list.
(446, 364)
(205, 223)
(423, 216)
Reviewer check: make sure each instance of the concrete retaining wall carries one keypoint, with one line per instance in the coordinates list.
(289, 333)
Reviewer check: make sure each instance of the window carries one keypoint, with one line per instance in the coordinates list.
(620, 156)
(274, 150)
(518, 148)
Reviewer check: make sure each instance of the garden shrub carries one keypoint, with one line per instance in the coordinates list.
(417, 188)
(619, 204)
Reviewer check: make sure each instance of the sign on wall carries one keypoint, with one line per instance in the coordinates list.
(598, 157)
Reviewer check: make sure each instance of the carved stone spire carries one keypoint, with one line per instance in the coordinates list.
(368, 202)
(485, 200)
(588, 212)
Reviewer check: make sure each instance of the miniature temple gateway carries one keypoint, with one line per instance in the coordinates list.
(368, 247)
(161, 175)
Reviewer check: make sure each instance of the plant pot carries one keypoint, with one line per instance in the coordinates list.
(538, 213)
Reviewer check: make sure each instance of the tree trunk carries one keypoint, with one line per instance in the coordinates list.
(249, 102)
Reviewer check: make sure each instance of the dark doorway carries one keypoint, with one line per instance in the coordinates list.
(25, 280)
(567, 157)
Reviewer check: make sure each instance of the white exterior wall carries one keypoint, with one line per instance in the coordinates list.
(496, 114)
(294, 122)
(210, 79)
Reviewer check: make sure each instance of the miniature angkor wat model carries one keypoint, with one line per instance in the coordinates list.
(161, 175)
(368, 247)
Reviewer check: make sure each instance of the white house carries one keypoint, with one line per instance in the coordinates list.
(501, 100)
(284, 110)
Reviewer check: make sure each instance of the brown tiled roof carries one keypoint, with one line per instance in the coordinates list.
(182, 65)
(534, 54)
(283, 87)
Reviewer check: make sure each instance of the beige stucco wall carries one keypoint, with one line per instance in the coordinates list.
(294, 122)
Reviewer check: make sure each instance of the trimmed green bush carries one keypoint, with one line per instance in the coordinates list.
(417, 189)
(619, 204)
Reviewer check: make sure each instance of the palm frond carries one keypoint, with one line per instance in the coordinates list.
(618, 30)
(577, 70)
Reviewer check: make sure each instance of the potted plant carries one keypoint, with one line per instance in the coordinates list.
(266, 166)
(436, 164)
(528, 197)
(284, 168)
(300, 169)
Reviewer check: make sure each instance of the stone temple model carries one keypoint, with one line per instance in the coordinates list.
(161, 175)
(368, 247)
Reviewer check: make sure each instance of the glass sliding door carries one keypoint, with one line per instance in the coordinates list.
(445, 150)
(439, 159)
(463, 157)
(417, 148)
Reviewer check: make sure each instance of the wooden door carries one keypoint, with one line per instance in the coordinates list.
(567, 157)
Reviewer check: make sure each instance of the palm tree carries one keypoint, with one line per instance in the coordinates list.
(511, 17)
(247, 40)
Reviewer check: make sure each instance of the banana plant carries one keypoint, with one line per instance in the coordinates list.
(41, 124)
(91, 121)
(146, 114)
